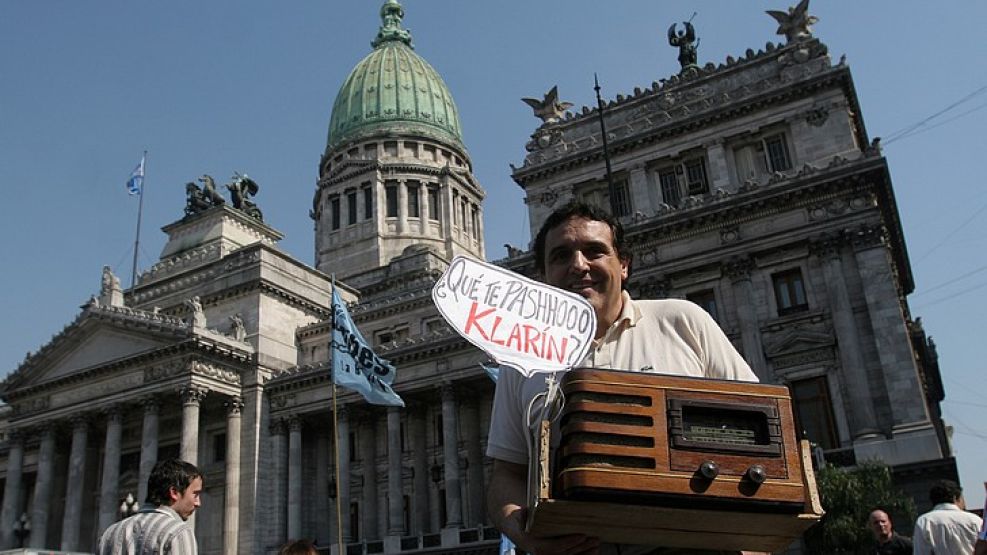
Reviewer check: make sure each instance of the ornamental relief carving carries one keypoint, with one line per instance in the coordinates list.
(31, 406)
(282, 400)
(83, 392)
(212, 371)
(163, 371)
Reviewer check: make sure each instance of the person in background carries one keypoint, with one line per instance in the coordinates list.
(886, 540)
(298, 547)
(948, 528)
(173, 491)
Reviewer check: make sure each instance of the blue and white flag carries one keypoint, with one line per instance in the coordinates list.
(492, 370)
(354, 364)
(136, 181)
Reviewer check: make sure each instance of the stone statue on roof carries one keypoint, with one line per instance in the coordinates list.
(548, 109)
(241, 189)
(198, 200)
(687, 44)
(110, 291)
(795, 24)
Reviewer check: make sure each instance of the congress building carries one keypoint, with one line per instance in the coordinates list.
(750, 187)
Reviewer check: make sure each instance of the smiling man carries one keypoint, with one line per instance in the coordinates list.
(173, 491)
(581, 249)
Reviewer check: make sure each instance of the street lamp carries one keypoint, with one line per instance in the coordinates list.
(22, 529)
(129, 506)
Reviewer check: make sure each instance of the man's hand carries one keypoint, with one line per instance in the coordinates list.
(506, 505)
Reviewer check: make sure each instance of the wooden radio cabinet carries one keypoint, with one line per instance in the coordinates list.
(673, 461)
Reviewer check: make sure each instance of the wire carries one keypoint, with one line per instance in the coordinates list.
(947, 297)
(904, 132)
(951, 233)
(950, 282)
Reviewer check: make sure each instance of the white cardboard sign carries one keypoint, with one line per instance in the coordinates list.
(517, 321)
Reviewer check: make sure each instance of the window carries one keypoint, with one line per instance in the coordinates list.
(598, 194)
(334, 211)
(762, 157)
(706, 299)
(368, 202)
(391, 192)
(476, 220)
(433, 203)
(352, 445)
(789, 292)
(684, 177)
(814, 411)
(219, 448)
(355, 520)
(351, 207)
(462, 213)
(669, 187)
(432, 325)
(413, 206)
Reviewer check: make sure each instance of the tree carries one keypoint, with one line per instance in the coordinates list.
(848, 496)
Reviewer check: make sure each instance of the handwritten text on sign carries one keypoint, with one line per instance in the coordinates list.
(519, 322)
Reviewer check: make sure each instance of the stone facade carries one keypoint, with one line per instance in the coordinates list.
(750, 188)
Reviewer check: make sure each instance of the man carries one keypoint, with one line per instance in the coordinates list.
(887, 541)
(948, 527)
(581, 249)
(159, 527)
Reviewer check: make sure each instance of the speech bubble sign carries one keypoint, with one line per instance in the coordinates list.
(519, 322)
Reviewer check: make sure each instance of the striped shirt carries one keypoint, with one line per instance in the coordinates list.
(152, 531)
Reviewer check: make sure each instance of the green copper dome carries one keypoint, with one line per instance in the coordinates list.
(394, 90)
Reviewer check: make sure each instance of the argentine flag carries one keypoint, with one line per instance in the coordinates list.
(354, 364)
(136, 180)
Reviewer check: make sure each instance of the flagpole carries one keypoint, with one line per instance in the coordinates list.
(140, 211)
(335, 420)
(611, 188)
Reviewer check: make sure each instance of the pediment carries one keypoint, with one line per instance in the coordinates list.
(797, 340)
(87, 344)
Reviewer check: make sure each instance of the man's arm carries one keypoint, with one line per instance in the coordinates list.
(506, 507)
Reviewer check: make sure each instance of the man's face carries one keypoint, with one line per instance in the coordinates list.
(580, 257)
(880, 525)
(185, 503)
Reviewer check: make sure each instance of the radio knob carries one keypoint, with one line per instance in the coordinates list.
(709, 469)
(756, 474)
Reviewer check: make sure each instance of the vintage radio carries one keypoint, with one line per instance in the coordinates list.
(674, 461)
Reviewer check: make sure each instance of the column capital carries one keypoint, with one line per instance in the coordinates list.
(828, 246)
(151, 403)
(277, 427)
(192, 394)
(447, 391)
(294, 423)
(80, 421)
(738, 268)
(869, 236)
(112, 413)
(234, 406)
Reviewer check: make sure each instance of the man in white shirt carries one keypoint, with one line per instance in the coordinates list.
(948, 529)
(581, 249)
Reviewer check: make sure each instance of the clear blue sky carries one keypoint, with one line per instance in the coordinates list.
(213, 87)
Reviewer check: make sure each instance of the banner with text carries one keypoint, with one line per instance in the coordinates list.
(517, 321)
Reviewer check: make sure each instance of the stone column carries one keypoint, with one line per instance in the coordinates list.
(395, 497)
(294, 477)
(402, 205)
(279, 460)
(343, 475)
(12, 489)
(42, 488)
(474, 456)
(149, 444)
(888, 323)
(109, 484)
(74, 495)
(192, 397)
(450, 452)
(420, 461)
(231, 519)
(325, 517)
(739, 272)
(863, 422)
(368, 456)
